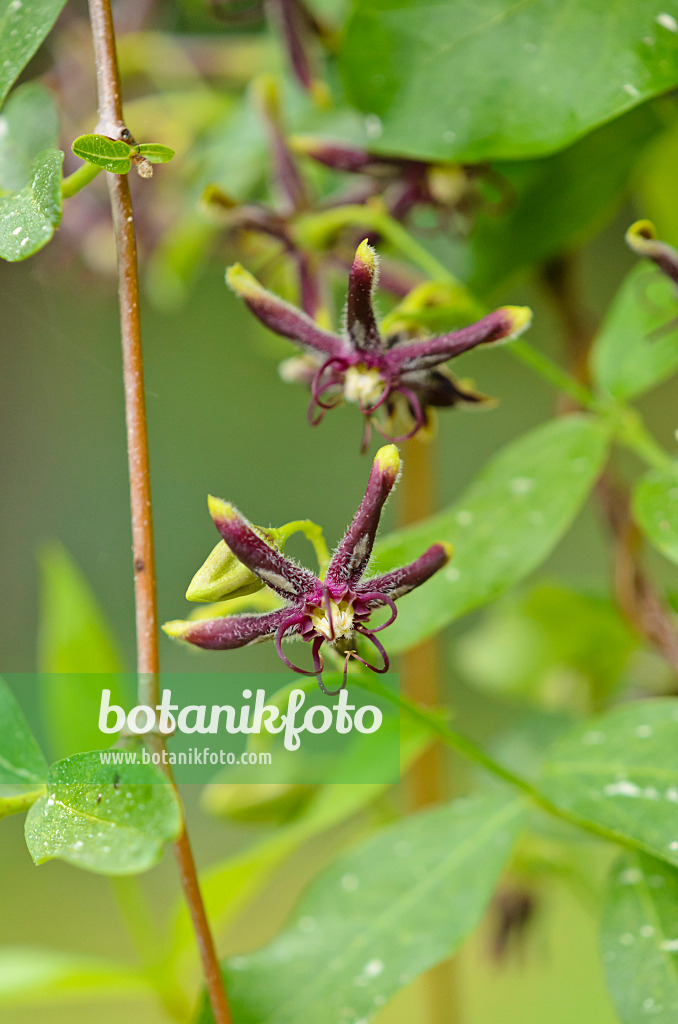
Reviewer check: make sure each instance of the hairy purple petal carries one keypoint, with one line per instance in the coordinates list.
(399, 582)
(351, 557)
(281, 317)
(231, 631)
(502, 324)
(361, 323)
(271, 566)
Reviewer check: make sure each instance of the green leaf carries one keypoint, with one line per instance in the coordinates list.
(111, 154)
(557, 202)
(30, 172)
(111, 819)
(639, 940)
(23, 26)
(28, 218)
(230, 884)
(501, 80)
(504, 526)
(29, 124)
(620, 771)
(21, 760)
(379, 916)
(35, 976)
(655, 507)
(155, 153)
(75, 646)
(73, 633)
(638, 343)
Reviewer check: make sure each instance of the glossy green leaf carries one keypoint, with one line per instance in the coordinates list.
(230, 884)
(506, 524)
(501, 80)
(637, 346)
(28, 217)
(23, 26)
(111, 154)
(75, 646)
(639, 940)
(555, 203)
(30, 172)
(34, 976)
(655, 507)
(112, 819)
(380, 915)
(29, 124)
(155, 153)
(620, 771)
(21, 760)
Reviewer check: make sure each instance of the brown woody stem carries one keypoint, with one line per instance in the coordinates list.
(111, 123)
(637, 595)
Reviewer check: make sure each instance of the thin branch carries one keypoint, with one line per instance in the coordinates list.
(111, 123)
(421, 671)
(637, 596)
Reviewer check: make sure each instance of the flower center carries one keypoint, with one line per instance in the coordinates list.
(363, 385)
(341, 623)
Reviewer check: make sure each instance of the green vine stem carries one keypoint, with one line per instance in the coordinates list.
(111, 123)
(434, 722)
(314, 534)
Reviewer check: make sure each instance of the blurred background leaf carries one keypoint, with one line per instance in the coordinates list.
(38, 976)
(655, 506)
(378, 916)
(23, 26)
(21, 760)
(552, 645)
(75, 647)
(619, 771)
(637, 346)
(502, 528)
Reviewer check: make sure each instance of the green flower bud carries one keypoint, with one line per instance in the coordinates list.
(221, 576)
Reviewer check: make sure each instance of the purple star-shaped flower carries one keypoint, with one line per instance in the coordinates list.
(361, 366)
(334, 608)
